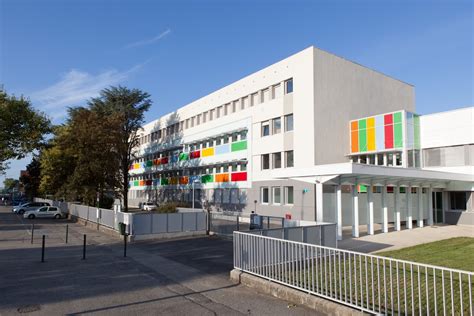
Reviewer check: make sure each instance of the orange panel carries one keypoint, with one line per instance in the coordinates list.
(223, 177)
(354, 126)
(354, 141)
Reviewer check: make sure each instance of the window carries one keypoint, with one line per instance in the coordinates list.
(226, 109)
(219, 112)
(235, 106)
(218, 141)
(265, 161)
(243, 166)
(289, 86)
(276, 125)
(204, 117)
(288, 195)
(276, 193)
(276, 160)
(234, 137)
(234, 168)
(289, 162)
(265, 128)
(192, 121)
(211, 114)
(265, 95)
(245, 103)
(187, 124)
(264, 196)
(254, 99)
(458, 200)
(198, 119)
(276, 91)
(243, 135)
(288, 122)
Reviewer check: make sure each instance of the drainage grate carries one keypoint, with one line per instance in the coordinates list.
(28, 309)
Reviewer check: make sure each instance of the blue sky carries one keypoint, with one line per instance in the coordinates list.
(60, 53)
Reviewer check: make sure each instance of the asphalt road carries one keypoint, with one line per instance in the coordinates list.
(175, 277)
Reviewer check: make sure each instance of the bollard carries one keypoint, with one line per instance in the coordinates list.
(84, 249)
(42, 250)
(238, 224)
(67, 232)
(125, 245)
(32, 231)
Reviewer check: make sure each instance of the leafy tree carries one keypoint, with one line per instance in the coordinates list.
(10, 184)
(31, 180)
(22, 128)
(127, 108)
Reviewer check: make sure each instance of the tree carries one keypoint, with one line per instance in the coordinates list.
(10, 184)
(22, 128)
(31, 180)
(127, 108)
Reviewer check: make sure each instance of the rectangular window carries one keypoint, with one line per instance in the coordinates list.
(198, 119)
(219, 112)
(265, 161)
(211, 114)
(254, 99)
(264, 196)
(276, 91)
(276, 125)
(289, 162)
(245, 103)
(265, 95)
(227, 109)
(289, 86)
(276, 193)
(276, 160)
(458, 200)
(204, 117)
(235, 106)
(265, 128)
(225, 139)
(288, 122)
(192, 121)
(234, 137)
(243, 135)
(243, 166)
(234, 168)
(289, 195)
(218, 141)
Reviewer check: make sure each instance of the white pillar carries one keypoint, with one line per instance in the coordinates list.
(430, 206)
(339, 211)
(409, 218)
(355, 211)
(384, 210)
(420, 207)
(319, 202)
(385, 160)
(396, 208)
(370, 210)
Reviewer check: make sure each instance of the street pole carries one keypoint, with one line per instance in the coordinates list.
(193, 194)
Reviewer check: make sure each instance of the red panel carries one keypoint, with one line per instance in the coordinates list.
(149, 182)
(239, 176)
(164, 160)
(388, 119)
(388, 136)
(196, 154)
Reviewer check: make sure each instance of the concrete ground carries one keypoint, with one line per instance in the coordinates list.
(401, 239)
(176, 277)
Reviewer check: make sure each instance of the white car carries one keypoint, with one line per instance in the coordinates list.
(31, 206)
(44, 212)
(148, 206)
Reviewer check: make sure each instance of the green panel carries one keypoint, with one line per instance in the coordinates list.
(397, 117)
(416, 120)
(164, 181)
(136, 183)
(239, 146)
(363, 124)
(362, 188)
(149, 163)
(362, 140)
(183, 156)
(398, 135)
(207, 178)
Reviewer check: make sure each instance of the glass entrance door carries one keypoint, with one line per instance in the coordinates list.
(438, 207)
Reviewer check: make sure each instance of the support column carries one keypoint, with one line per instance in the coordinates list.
(430, 206)
(396, 208)
(409, 219)
(355, 211)
(319, 202)
(370, 211)
(419, 222)
(339, 211)
(384, 210)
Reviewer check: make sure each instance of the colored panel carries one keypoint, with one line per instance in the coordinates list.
(148, 182)
(398, 135)
(362, 188)
(149, 163)
(207, 178)
(362, 140)
(174, 158)
(183, 180)
(388, 119)
(362, 124)
(136, 166)
(183, 156)
(223, 149)
(173, 180)
(156, 162)
(388, 136)
(223, 177)
(397, 117)
(164, 181)
(142, 182)
(195, 154)
(416, 120)
(207, 152)
(371, 122)
(354, 141)
(164, 160)
(379, 133)
(136, 183)
(371, 139)
(239, 176)
(354, 126)
(194, 179)
(242, 145)
(156, 182)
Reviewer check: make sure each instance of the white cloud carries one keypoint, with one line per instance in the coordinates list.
(150, 40)
(74, 88)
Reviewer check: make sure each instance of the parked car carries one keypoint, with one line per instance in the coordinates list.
(148, 206)
(21, 209)
(44, 212)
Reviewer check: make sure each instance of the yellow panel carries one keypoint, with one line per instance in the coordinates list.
(371, 122)
(207, 152)
(371, 139)
(136, 166)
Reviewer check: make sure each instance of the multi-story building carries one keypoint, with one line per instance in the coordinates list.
(313, 137)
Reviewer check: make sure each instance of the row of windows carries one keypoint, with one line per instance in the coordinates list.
(275, 162)
(276, 197)
(383, 159)
(273, 126)
(253, 99)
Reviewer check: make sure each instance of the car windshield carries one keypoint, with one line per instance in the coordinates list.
(25, 204)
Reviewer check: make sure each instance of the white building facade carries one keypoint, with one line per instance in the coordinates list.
(313, 137)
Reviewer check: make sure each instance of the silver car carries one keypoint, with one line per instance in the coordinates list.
(21, 209)
(44, 212)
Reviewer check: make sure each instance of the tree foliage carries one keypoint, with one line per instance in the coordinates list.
(22, 128)
(31, 180)
(9, 184)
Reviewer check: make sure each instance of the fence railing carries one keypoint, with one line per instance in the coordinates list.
(370, 283)
(144, 224)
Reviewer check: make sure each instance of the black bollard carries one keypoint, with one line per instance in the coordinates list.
(42, 249)
(124, 245)
(32, 231)
(84, 249)
(67, 232)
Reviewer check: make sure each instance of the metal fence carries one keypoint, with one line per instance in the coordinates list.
(223, 224)
(144, 224)
(321, 234)
(370, 283)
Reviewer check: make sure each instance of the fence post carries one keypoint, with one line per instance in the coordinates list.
(67, 232)
(32, 231)
(125, 245)
(42, 249)
(84, 248)
(182, 222)
(238, 223)
(167, 223)
(195, 222)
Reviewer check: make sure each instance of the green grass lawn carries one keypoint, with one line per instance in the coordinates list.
(455, 253)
